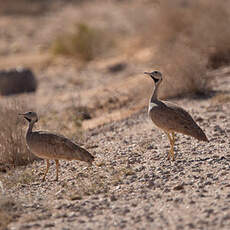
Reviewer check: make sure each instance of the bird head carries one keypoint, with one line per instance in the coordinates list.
(155, 75)
(30, 116)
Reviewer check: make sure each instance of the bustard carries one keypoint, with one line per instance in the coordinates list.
(49, 146)
(170, 117)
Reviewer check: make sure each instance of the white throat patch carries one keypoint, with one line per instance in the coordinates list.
(152, 105)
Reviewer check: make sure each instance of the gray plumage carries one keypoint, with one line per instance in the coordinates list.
(49, 146)
(170, 117)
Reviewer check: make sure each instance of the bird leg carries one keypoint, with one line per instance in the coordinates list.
(57, 169)
(173, 137)
(172, 141)
(47, 168)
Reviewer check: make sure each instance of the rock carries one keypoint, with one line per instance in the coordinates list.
(16, 81)
(83, 112)
(1, 187)
(191, 225)
(179, 187)
(75, 197)
(3, 168)
(149, 218)
(113, 198)
(218, 129)
(151, 184)
(49, 225)
(117, 67)
(199, 119)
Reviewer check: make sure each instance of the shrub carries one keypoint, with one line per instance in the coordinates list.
(191, 36)
(85, 43)
(13, 150)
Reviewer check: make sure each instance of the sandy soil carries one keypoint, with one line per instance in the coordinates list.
(131, 185)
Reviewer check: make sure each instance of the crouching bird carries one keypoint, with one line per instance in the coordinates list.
(52, 146)
(170, 117)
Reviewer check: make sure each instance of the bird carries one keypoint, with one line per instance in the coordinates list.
(170, 117)
(51, 146)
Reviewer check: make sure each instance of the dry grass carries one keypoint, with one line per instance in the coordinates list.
(67, 122)
(189, 37)
(13, 150)
(85, 43)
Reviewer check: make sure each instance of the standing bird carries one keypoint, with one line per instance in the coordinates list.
(171, 118)
(49, 146)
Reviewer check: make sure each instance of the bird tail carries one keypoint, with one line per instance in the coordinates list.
(200, 135)
(86, 156)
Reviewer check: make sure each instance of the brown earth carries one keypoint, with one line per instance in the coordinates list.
(132, 185)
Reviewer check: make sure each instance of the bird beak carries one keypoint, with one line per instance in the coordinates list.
(21, 114)
(147, 73)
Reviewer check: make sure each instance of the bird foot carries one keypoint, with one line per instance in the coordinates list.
(171, 156)
(168, 156)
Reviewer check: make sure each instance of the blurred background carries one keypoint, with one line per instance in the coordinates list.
(80, 63)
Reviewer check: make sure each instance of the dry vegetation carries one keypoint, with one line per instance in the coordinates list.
(187, 38)
(71, 121)
(191, 37)
(84, 43)
(13, 150)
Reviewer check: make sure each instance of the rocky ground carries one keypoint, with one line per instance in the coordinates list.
(132, 185)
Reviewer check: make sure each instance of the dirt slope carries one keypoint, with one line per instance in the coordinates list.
(132, 185)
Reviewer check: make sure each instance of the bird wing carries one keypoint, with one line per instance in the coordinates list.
(179, 113)
(55, 146)
(171, 117)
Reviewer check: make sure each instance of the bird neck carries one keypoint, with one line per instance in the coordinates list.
(154, 97)
(30, 128)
